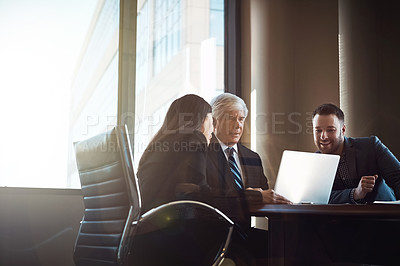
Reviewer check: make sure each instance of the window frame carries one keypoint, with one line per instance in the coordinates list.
(127, 66)
(127, 58)
(233, 80)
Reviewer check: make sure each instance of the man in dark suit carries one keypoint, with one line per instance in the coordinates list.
(236, 176)
(367, 170)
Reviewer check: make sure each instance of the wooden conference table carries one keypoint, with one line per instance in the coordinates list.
(308, 234)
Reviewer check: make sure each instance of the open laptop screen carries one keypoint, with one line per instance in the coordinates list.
(306, 177)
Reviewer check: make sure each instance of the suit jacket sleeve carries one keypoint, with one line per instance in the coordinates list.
(254, 173)
(369, 156)
(388, 165)
(340, 196)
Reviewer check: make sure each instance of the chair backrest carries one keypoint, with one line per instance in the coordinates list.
(111, 198)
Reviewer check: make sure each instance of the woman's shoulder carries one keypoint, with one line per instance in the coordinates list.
(182, 141)
(189, 142)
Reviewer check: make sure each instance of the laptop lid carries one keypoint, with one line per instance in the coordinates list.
(306, 177)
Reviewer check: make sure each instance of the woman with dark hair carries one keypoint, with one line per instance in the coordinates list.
(173, 165)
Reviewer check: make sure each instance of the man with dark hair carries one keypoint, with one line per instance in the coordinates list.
(367, 170)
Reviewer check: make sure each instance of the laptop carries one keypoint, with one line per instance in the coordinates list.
(306, 177)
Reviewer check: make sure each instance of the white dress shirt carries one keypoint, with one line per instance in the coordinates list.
(225, 147)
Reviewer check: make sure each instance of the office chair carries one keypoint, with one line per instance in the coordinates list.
(114, 232)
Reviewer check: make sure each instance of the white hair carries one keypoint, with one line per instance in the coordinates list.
(227, 102)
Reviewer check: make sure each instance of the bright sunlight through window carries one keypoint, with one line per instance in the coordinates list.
(40, 42)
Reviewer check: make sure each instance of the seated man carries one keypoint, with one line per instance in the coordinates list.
(367, 170)
(236, 176)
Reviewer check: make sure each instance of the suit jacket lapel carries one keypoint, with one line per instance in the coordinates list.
(350, 158)
(242, 160)
(220, 165)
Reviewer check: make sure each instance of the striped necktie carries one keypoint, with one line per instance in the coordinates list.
(234, 169)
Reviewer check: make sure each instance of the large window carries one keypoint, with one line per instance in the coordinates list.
(59, 69)
(94, 89)
(217, 21)
(167, 31)
(179, 51)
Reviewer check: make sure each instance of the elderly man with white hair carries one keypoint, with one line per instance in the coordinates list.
(234, 172)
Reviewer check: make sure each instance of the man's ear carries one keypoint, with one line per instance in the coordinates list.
(215, 123)
(343, 129)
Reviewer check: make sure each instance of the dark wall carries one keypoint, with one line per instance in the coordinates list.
(307, 52)
(39, 226)
(294, 68)
(370, 74)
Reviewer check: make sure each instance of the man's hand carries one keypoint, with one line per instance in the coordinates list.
(270, 197)
(365, 185)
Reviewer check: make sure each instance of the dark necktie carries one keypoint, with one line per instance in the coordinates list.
(235, 169)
